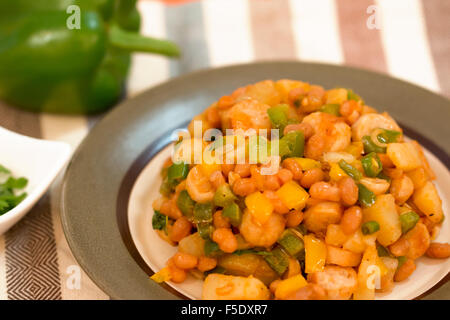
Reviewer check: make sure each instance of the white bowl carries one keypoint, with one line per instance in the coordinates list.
(37, 160)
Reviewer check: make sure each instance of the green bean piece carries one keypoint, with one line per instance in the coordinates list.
(203, 212)
(185, 204)
(370, 227)
(223, 196)
(292, 243)
(177, 172)
(278, 116)
(331, 108)
(370, 146)
(233, 212)
(278, 261)
(350, 170)
(389, 136)
(365, 196)
(382, 251)
(371, 164)
(408, 221)
(205, 230)
(353, 96)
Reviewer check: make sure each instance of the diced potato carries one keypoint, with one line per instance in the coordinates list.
(355, 242)
(263, 91)
(428, 201)
(315, 254)
(193, 245)
(292, 195)
(289, 286)
(430, 173)
(404, 155)
(418, 177)
(248, 265)
(319, 216)
(342, 257)
(307, 163)
(224, 287)
(335, 236)
(385, 213)
(336, 96)
(387, 279)
(419, 241)
(259, 206)
(366, 275)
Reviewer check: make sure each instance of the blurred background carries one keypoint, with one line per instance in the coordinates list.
(408, 39)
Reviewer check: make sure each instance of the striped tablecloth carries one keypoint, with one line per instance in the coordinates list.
(408, 39)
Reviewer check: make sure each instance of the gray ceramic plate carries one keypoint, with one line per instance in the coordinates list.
(102, 173)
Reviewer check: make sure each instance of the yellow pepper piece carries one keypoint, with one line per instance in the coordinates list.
(307, 164)
(289, 286)
(292, 195)
(315, 254)
(259, 206)
(209, 168)
(162, 275)
(336, 173)
(356, 149)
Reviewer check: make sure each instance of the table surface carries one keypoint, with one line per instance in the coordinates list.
(408, 39)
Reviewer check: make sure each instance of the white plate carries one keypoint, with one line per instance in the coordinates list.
(156, 252)
(37, 160)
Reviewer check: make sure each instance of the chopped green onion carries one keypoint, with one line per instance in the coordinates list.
(177, 172)
(185, 204)
(233, 213)
(365, 196)
(292, 243)
(331, 108)
(223, 196)
(371, 164)
(370, 227)
(388, 136)
(278, 261)
(408, 221)
(350, 170)
(203, 212)
(370, 146)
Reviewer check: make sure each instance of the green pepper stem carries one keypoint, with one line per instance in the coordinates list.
(132, 41)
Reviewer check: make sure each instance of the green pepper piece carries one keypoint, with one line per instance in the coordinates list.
(78, 70)
(331, 108)
(408, 221)
(223, 196)
(365, 196)
(401, 261)
(205, 229)
(371, 164)
(233, 213)
(203, 212)
(159, 220)
(370, 146)
(382, 251)
(185, 204)
(211, 248)
(278, 116)
(292, 145)
(278, 261)
(350, 170)
(351, 95)
(293, 244)
(388, 136)
(302, 229)
(370, 227)
(177, 172)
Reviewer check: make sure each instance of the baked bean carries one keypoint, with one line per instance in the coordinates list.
(294, 167)
(206, 263)
(227, 168)
(271, 182)
(405, 270)
(244, 187)
(296, 96)
(220, 221)
(185, 261)
(401, 188)
(170, 209)
(177, 275)
(243, 170)
(311, 176)
(225, 239)
(351, 220)
(315, 146)
(257, 177)
(217, 179)
(180, 229)
(313, 100)
(349, 191)
(278, 205)
(273, 285)
(438, 250)
(325, 191)
(400, 247)
(294, 218)
(284, 175)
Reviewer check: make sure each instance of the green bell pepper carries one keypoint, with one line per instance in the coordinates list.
(292, 145)
(278, 116)
(233, 213)
(203, 212)
(331, 109)
(223, 196)
(185, 204)
(408, 221)
(370, 227)
(177, 172)
(47, 66)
